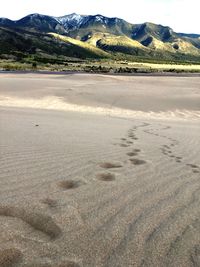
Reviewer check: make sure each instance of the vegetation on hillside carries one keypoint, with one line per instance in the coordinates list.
(44, 42)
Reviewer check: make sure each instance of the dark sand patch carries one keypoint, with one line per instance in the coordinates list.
(193, 166)
(69, 184)
(110, 165)
(10, 257)
(106, 176)
(136, 150)
(137, 161)
(131, 154)
(124, 145)
(38, 221)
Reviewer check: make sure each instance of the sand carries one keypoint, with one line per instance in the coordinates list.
(99, 171)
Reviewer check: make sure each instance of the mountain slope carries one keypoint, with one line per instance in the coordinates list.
(99, 23)
(96, 36)
(35, 22)
(157, 38)
(81, 45)
(120, 44)
(22, 43)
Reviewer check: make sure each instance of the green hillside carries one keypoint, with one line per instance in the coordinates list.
(88, 48)
(94, 37)
(22, 44)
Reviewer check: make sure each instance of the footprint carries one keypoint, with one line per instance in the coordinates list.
(10, 257)
(136, 150)
(131, 134)
(52, 203)
(137, 161)
(129, 142)
(110, 165)
(69, 184)
(38, 221)
(106, 177)
(124, 145)
(131, 154)
(195, 171)
(193, 166)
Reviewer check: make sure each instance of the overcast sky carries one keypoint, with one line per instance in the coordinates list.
(181, 15)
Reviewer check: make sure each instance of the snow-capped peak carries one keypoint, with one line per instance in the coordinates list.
(70, 22)
(73, 18)
(101, 19)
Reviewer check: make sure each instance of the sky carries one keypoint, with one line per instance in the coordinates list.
(180, 15)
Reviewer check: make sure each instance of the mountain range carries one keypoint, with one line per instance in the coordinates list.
(81, 36)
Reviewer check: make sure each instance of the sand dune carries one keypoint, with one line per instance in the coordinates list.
(54, 103)
(88, 178)
(126, 97)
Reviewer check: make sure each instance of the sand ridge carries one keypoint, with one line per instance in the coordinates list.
(53, 103)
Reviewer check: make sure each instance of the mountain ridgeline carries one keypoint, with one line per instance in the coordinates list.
(95, 37)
